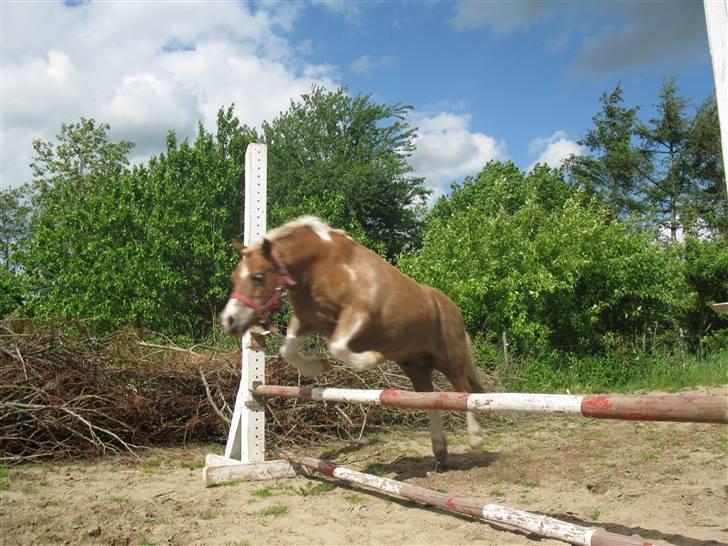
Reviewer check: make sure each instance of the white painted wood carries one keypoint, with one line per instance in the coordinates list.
(246, 440)
(538, 524)
(369, 480)
(358, 396)
(721, 307)
(716, 18)
(561, 404)
(221, 469)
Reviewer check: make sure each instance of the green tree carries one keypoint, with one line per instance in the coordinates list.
(665, 139)
(344, 158)
(74, 238)
(708, 201)
(536, 257)
(14, 211)
(148, 246)
(614, 171)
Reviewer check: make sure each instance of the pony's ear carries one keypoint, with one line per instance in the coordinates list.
(267, 248)
(240, 247)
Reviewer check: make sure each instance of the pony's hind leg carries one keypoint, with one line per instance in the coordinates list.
(461, 383)
(421, 377)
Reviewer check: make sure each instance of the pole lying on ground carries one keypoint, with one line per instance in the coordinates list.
(492, 513)
(681, 408)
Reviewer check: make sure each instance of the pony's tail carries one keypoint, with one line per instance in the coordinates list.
(472, 374)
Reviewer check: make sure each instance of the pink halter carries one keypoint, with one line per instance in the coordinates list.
(284, 281)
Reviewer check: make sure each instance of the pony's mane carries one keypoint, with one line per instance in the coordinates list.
(315, 224)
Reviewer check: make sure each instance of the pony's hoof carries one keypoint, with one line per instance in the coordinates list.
(441, 458)
(476, 443)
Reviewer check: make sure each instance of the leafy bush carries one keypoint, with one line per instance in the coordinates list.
(533, 256)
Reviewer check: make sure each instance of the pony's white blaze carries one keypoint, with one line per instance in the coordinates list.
(244, 271)
(235, 313)
(542, 403)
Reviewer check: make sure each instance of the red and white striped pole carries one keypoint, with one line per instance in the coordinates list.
(492, 513)
(681, 408)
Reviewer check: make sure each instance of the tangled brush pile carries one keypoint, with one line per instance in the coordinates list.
(65, 393)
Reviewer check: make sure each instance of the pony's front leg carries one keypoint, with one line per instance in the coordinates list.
(289, 350)
(351, 324)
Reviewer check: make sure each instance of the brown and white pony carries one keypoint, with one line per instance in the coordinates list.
(369, 311)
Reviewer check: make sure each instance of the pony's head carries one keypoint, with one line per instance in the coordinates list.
(258, 283)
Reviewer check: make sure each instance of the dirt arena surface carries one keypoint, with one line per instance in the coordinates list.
(665, 481)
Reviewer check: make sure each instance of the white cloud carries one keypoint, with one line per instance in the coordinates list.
(553, 150)
(144, 68)
(607, 37)
(346, 8)
(502, 17)
(365, 66)
(447, 150)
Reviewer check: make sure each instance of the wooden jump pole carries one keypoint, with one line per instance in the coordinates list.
(679, 408)
(492, 513)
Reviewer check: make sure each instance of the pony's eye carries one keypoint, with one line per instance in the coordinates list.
(257, 278)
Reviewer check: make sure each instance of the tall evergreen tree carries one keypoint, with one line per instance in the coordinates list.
(668, 183)
(614, 169)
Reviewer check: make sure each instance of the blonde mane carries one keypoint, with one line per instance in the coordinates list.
(315, 224)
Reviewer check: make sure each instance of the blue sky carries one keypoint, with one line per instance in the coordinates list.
(487, 80)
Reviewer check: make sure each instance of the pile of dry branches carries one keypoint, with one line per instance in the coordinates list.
(66, 393)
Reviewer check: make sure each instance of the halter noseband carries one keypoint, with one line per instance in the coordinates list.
(284, 281)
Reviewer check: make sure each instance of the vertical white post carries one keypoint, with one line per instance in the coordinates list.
(245, 449)
(716, 18)
(246, 440)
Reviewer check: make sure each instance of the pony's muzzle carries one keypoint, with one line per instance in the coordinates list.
(236, 318)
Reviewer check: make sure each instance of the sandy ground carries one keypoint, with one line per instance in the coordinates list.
(660, 480)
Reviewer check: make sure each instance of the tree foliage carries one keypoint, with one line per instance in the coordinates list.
(147, 246)
(534, 256)
(614, 168)
(344, 158)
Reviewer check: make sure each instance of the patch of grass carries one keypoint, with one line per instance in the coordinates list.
(271, 511)
(28, 490)
(315, 489)
(229, 483)
(624, 369)
(159, 521)
(497, 493)
(44, 520)
(209, 516)
(119, 500)
(374, 468)
(43, 538)
(683, 456)
(353, 498)
(595, 514)
(494, 440)
(4, 478)
(374, 438)
(145, 542)
(263, 493)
